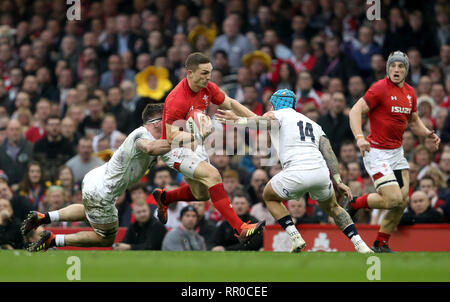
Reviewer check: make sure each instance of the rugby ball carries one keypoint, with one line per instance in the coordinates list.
(196, 121)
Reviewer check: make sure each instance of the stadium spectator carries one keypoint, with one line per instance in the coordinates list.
(116, 73)
(69, 131)
(38, 131)
(333, 64)
(232, 41)
(408, 143)
(33, 185)
(284, 76)
(20, 204)
(55, 199)
(10, 236)
(260, 212)
(258, 180)
(305, 91)
(378, 69)
(115, 107)
(420, 211)
(428, 186)
(129, 96)
(424, 160)
(329, 123)
(416, 67)
(184, 237)
(301, 56)
(109, 131)
(53, 150)
(398, 35)
(91, 124)
(231, 181)
(348, 153)
(66, 180)
(297, 210)
(147, 233)
(272, 40)
(362, 49)
(84, 161)
(356, 89)
(15, 153)
(225, 239)
(205, 227)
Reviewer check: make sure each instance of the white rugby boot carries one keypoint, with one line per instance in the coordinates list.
(297, 244)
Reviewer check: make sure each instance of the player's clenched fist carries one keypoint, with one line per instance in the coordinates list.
(363, 145)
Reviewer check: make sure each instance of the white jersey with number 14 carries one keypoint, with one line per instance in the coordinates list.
(297, 141)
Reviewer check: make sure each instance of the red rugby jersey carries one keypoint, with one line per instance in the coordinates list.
(390, 107)
(181, 100)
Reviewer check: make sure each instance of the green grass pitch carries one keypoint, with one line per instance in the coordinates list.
(148, 266)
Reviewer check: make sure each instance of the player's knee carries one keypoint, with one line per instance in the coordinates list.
(201, 196)
(395, 200)
(213, 178)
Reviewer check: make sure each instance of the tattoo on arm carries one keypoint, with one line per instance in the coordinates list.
(328, 155)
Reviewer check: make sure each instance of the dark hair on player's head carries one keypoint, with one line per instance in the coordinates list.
(151, 110)
(195, 59)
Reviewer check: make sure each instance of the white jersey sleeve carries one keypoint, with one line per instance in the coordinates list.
(297, 141)
(128, 164)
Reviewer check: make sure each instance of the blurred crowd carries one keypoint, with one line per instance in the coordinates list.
(71, 91)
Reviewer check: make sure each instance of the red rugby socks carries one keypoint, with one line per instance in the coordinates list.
(182, 193)
(382, 238)
(222, 203)
(360, 202)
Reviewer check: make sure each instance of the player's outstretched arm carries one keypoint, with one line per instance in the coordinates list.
(268, 120)
(236, 107)
(418, 128)
(153, 147)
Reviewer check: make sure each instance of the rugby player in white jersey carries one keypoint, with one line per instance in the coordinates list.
(306, 155)
(102, 186)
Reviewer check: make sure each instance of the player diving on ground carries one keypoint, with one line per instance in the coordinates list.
(102, 186)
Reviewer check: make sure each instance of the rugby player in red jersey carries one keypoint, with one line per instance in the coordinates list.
(391, 105)
(203, 180)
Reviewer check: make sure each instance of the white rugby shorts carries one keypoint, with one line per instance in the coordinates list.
(185, 160)
(381, 163)
(99, 209)
(293, 184)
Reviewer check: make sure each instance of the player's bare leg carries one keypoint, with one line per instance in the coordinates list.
(103, 236)
(393, 216)
(389, 197)
(344, 223)
(74, 212)
(281, 214)
(209, 177)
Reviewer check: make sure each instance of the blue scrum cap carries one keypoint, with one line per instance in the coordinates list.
(283, 98)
